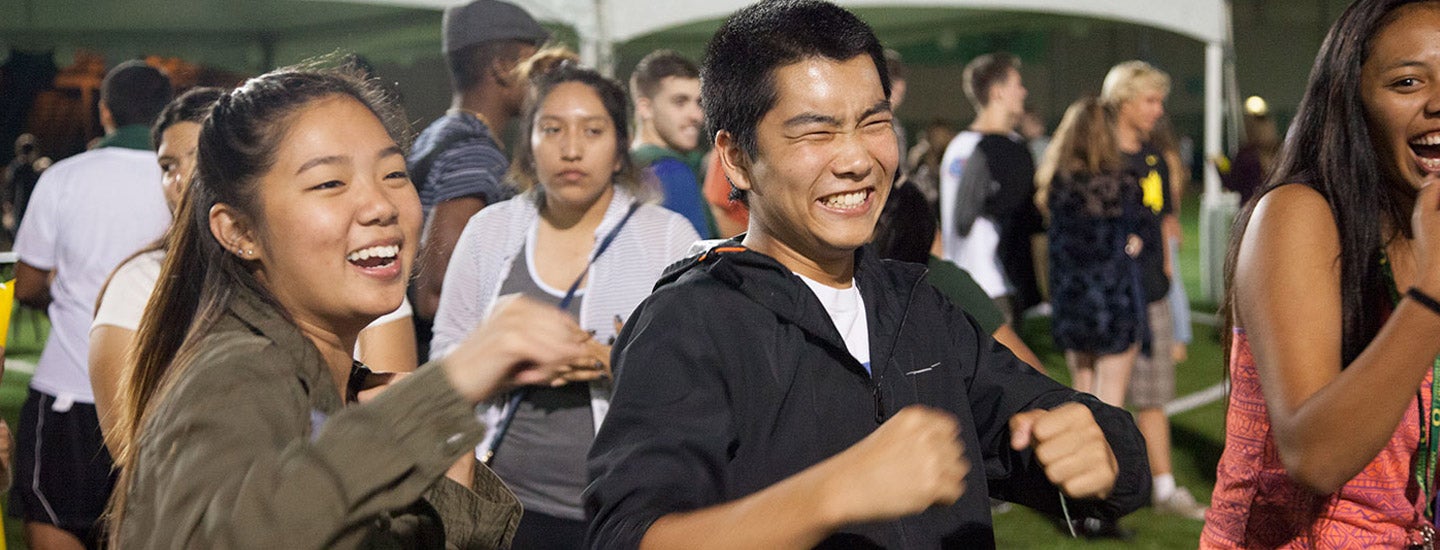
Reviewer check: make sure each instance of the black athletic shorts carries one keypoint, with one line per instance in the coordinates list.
(63, 474)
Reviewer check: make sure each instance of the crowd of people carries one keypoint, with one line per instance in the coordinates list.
(727, 305)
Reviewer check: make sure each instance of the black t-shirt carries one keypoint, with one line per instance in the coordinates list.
(1013, 169)
(1149, 168)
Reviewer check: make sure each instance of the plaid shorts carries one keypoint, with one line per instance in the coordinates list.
(1152, 382)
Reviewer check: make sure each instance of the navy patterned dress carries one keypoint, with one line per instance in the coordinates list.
(1095, 292)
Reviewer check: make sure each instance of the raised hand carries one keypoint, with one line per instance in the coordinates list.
(1425, 222)
(594, 366)
(1071, 448)
(523, 342)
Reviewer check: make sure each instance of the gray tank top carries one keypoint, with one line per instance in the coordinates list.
(542, 457)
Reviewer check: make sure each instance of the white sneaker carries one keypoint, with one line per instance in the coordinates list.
(1181, 503)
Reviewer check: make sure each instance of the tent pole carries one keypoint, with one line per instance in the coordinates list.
(604, 46)
(1215, 210)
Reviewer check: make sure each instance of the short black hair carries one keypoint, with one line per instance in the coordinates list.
(737, 80)
(660, 65)
(135, 92)
(191, 106)
(468, 65)
(984, 72)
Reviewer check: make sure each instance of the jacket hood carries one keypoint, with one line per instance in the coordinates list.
(886, 287)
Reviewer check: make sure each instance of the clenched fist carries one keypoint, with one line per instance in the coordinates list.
(912, 462)
(1071, 448)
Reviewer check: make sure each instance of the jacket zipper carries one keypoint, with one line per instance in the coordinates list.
(879, 400)
(880, 412)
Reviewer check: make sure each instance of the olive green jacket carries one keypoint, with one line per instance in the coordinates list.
(251, 449)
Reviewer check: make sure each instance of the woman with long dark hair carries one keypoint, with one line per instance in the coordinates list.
(301, 229)
(388, 344)
(579, 237)
(1334, 270)
(122, 300)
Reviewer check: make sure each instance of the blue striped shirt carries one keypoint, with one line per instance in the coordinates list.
(473, 165)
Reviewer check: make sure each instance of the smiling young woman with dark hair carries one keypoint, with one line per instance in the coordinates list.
(1333, 269)
(301, 229)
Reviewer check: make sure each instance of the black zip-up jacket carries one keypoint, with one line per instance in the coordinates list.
(731, 377)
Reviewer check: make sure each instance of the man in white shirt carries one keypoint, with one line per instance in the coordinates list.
(987, 188)
(88, 213)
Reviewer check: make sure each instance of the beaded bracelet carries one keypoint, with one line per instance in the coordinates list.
(1424, 299)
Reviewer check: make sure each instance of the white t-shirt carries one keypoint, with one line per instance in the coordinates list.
(88, 213)
(405, 311)
(847, 312)
(976, 252)
(129, 291)
(134, 281)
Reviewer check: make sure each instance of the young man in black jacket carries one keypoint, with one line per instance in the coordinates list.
(790, 390)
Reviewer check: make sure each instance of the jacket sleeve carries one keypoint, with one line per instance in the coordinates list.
(483, 515)
(1002, 386)
(232, 467)
(664, 445)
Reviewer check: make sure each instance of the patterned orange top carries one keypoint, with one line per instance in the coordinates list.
(1257, 505)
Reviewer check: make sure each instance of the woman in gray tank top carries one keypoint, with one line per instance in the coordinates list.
(579, 237)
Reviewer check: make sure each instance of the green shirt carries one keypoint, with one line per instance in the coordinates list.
(647, 153)
(252, 447)
(133, 136)
(963, 291)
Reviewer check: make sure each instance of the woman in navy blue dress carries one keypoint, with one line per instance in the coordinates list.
(1095, 217)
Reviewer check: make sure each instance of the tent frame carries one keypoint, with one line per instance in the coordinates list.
(601, 24)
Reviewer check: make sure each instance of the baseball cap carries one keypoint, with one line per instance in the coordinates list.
(488, 20)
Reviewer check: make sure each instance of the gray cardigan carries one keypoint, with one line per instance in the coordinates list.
(495, 238)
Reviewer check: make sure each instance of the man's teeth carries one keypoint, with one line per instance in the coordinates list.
(1430, 165)
(846, 200)
(1427, 139)
(374, 252)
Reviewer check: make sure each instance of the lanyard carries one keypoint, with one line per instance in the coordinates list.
(513, 405)
(1428, 450)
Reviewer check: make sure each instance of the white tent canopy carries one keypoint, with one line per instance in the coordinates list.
(601, 24)
(1203, 20)
(623, 20)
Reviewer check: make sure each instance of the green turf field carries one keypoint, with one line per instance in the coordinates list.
(1198, 434)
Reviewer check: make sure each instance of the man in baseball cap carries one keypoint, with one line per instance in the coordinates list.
(458, 163)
